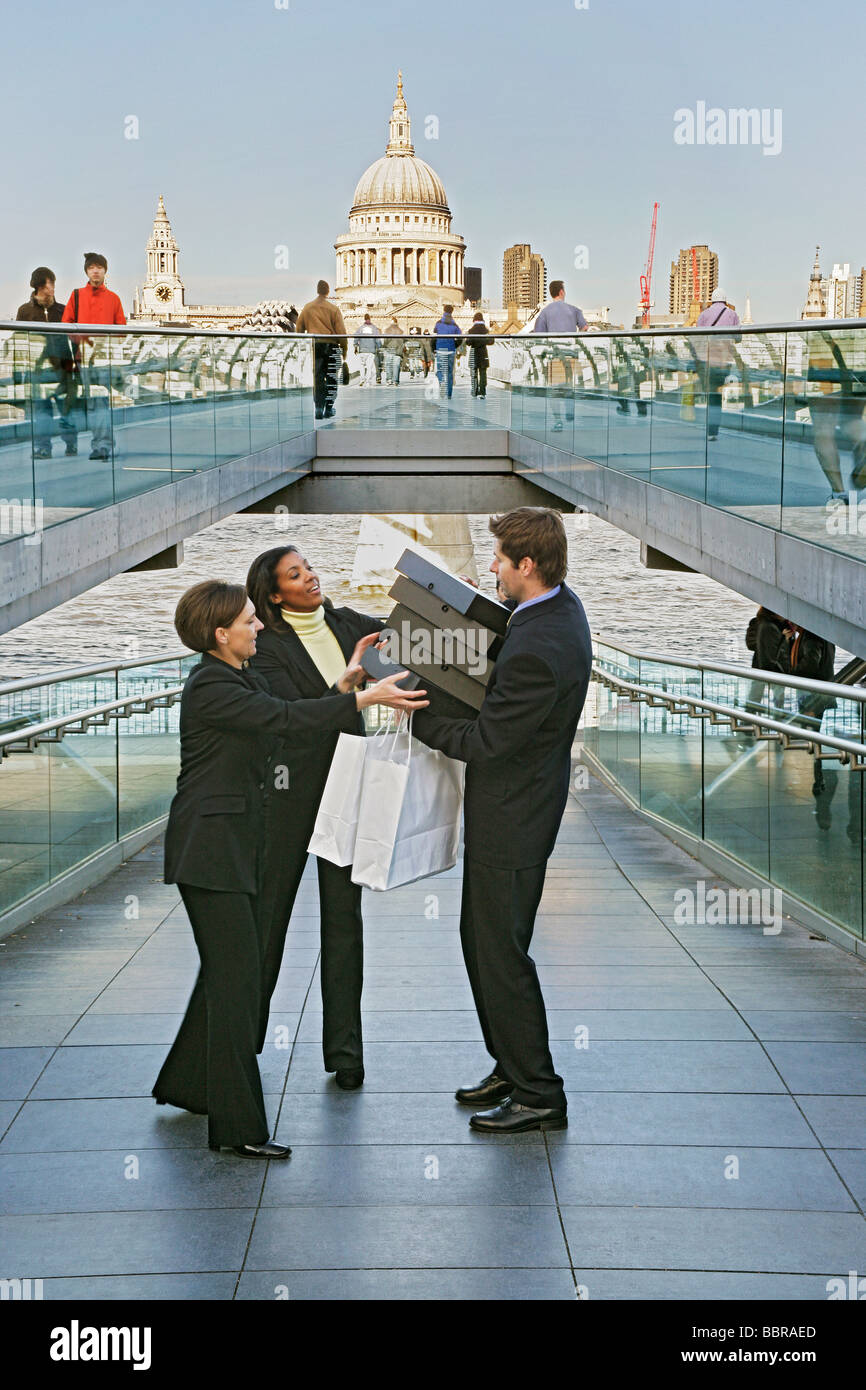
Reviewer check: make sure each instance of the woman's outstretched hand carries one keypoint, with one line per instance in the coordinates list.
(388, 692)
(354, 674)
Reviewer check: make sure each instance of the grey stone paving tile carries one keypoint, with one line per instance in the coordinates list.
(828, 1068)
(393, 1285)
(421, 1025)
(17, 1001)
(664, 1175)
(376, 1118)
(810, 998)
(8, 1111)
(703, 1118)
(140, 1242)
(660, 1025)
(852, 1166)
(167, 1179)
(121, 1029)
(34, 1030)
(839, 1121)
(439, 1174)
(669, 1285)
(142, 1287)
(393, 997)
(804, 1026)
(578, 976)
(94, 1071)
(133, 1124)
(19, 1068)
(825, 1243)
(698, 994)
(666, 1066)
(397, 1066)
(159, 1001)
(456, 1025)
(406, 1237)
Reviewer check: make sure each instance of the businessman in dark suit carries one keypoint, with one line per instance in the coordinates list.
(518, 756)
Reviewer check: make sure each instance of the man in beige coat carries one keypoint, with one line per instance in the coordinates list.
(322, 317)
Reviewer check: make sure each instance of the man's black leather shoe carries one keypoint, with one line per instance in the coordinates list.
(349, 1078)
(487, 1092)
(511, 1118)
(267, 1150)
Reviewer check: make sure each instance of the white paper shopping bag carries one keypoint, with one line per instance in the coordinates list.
(333, 835)
(409, 817)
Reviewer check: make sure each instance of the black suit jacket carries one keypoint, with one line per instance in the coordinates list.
(289, 672)
(518, 749)
(229, 724)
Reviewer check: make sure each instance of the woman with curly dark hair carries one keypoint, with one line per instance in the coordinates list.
(301, 653)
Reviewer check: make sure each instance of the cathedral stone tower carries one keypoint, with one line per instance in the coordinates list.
(816, 304)
(162, 294)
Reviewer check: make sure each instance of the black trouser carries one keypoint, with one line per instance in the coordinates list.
(342, 959)
(716, 378)
(327, 360)
(497, 916)
(478, 378)
(212, 1067)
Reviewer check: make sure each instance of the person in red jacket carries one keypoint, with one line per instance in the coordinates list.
(93, 303)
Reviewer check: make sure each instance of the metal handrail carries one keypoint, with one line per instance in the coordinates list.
(54, 730)
(847, 692)
(78, 672)
(789, 734)
(135, 330)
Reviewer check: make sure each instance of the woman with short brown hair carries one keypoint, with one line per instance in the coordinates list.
(214, 851)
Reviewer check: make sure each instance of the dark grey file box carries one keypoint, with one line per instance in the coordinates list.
(379, 665)
(453, 591)
(440, 670)
(467, 644)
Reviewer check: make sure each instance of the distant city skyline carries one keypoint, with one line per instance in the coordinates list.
(254, 149)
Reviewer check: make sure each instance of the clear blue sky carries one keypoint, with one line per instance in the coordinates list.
(555, 127)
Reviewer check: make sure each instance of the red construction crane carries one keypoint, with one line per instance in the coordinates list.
(646, 278)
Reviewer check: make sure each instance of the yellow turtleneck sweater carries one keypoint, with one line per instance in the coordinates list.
(319, 642)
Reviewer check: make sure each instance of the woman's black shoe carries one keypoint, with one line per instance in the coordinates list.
(349, 1079)
(267, 1150)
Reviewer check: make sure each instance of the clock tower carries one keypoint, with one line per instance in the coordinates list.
(161, 297)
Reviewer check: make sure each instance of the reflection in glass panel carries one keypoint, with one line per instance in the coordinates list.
(190, 384)
(231, 404)
(630, 412)
(825, 439)
(671, 748)
(16, 435)
(25, 832)
(148, 763)
(746, 377)
(263, 385)
(140, 396)
(591, 382)
(816, 834)
(679, 424)
(83, 806)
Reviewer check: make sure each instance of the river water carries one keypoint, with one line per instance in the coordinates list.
(680, 614)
